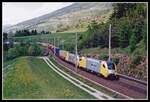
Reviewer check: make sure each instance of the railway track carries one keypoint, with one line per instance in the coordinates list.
(132, 79)
(76, 82)
(125, 86)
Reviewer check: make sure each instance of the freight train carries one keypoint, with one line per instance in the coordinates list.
(107, 69)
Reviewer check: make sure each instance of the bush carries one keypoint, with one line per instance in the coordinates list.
(132, 66)
(103, 57)
(140, 50)
(5, 47)
(23, 50)
(136, 59)
(115, 60)
(31, 50)
(34, 50)
(12, 53)
(132, 42)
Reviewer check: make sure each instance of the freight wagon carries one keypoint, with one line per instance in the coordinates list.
(63, 54)
(72, 58)
(57, 51)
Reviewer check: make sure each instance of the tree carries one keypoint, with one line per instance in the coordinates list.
(35, 32)
(144, 33)
(32, 32)
(37, 50)
(5, 36)
(132, 42)
(122, 9)
(18, 33)
(124, 33)
(12, 53)
(42, 32)
(31, 50)
(5, 47)
(34, 50)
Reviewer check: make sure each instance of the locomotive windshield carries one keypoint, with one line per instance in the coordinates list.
(111, 65)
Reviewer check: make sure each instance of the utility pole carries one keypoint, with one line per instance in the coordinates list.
(55, 41)
(109, 42)
(58, 42)
(76, 54)
(63, 45)
(54, 46)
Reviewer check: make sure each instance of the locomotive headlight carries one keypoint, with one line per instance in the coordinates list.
(111, 71)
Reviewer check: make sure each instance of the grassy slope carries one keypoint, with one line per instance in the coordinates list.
(101, 51)
(66, 37)
(29, 77)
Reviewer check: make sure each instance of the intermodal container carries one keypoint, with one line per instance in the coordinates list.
(72, 58)
(57, 51)
(63, 54)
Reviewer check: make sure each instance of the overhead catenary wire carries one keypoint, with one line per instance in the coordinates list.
(76, 54)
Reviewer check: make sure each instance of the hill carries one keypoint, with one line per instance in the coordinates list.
(76, 15)
(4, 28)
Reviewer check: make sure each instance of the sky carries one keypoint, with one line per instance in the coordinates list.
(16, 12)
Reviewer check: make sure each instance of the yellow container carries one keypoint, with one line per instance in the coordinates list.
(63, 54)
(67, 56)
(82, 62)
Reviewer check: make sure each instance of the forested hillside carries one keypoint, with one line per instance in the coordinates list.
(128, 28)
(129, 35)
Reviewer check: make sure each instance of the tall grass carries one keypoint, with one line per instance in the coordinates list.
(31, 78)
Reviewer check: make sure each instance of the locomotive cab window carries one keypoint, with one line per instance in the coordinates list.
(103, 65)
(111, 66)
